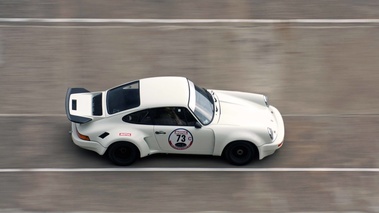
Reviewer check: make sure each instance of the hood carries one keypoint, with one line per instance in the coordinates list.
(239, 111)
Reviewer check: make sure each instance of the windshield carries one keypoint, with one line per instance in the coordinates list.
(201, 103)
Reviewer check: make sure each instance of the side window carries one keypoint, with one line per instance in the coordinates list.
(123, 97)
(141, 117)
(167, 116)
(174, 116)
(189, 117)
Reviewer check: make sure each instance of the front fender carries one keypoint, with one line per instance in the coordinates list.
(223, 138)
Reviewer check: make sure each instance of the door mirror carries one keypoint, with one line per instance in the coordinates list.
(197, 125)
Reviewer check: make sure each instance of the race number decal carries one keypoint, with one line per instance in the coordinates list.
(180, 139)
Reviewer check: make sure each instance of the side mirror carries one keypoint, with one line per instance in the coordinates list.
(197, 125)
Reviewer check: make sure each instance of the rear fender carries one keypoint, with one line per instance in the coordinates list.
(135, 137)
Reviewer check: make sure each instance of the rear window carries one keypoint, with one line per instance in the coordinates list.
(97, 108)
(123, 98)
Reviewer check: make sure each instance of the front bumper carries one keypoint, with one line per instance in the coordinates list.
(268, 149)
(90, 145)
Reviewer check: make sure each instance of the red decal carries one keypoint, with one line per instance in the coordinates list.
(125, 134)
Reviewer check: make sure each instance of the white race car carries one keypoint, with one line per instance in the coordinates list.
(173, 115)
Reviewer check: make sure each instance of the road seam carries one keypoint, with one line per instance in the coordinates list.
(189, 21)
(169, 169)
(284, 115)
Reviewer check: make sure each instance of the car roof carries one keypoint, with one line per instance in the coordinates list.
(164, 91)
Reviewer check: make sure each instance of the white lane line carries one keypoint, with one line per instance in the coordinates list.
(332, 115)
(189, 21)
(178, 27)
(32, 115)
(168, 169)
(284, 115)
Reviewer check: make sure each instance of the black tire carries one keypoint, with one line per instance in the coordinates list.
(240, 153)
(123, 153)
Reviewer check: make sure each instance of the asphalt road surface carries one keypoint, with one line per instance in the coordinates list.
(199, 9)
(322, 77)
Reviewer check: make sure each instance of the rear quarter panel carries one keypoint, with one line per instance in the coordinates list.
(140, 135)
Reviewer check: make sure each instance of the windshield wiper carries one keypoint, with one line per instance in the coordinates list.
(212, 99)
(209, 95)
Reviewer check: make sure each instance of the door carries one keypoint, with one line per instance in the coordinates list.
(175, 132)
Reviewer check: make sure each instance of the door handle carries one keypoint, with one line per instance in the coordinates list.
(159, 132)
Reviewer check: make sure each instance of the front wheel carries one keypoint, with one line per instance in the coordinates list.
(240, 153)
(123, 153)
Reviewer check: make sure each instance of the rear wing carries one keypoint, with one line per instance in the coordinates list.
(71, 105)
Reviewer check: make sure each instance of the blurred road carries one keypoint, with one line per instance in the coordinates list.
(172, 9)
(323, 78)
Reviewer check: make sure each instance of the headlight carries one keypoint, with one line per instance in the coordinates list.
(270, 133)
(266, 100)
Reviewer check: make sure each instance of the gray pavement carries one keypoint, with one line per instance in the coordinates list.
(303, 70)
(191, 192)
(323, 78)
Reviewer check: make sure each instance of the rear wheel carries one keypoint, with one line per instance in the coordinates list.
(123, 153)
(240, 153)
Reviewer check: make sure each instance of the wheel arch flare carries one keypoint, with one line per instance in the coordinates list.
(135, 137)
(224, 139)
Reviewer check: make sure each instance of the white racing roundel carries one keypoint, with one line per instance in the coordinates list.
(180, 139)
